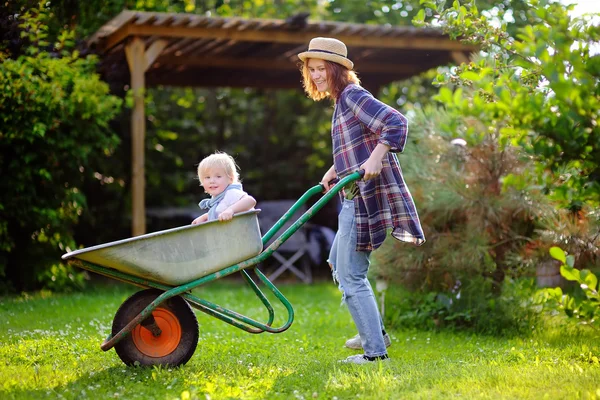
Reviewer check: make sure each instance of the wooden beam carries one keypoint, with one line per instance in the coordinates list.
(154, 51)
(224, 78)
(136, 58)
(116, 37)
(263, 64)
(145, 18)
(112, 26)
(459, 57)
(227, 62)
(219, 77)
(177, 44)
(408, 42)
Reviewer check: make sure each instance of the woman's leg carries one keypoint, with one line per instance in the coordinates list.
(350, 269)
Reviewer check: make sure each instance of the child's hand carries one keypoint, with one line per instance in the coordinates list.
(226, 215)
(200, 219)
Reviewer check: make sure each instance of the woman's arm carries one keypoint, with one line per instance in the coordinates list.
(246, 203)
(384, 121)
(374, 165)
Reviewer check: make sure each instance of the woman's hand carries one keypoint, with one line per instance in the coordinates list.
(372, 168)
(328, 177)
(374, 164)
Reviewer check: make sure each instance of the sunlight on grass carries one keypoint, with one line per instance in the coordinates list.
(50, 348)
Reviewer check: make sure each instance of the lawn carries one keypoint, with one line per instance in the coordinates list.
(50, 349)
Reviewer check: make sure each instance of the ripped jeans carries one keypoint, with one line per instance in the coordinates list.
(350, 269)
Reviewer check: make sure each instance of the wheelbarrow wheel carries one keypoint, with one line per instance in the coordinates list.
(173, 343)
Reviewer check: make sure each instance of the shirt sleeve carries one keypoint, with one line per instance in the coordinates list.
(384, 121)
(231, 197)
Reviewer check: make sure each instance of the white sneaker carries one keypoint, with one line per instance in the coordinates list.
(354, 342)
(362, 359)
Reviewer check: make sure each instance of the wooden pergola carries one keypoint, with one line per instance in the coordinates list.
(176, 49)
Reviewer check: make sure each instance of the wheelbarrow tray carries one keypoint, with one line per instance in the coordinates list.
(180, 255)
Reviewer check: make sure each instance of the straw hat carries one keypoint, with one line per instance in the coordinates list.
(329, 49)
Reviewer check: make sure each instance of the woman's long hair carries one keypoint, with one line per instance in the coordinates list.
(338, 77)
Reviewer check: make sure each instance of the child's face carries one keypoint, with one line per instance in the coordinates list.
(215, 180)
(318, 74)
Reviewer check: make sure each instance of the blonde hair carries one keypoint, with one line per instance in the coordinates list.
(219, 160)
(338, 77)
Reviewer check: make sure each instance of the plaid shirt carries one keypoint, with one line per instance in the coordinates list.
(359, 123)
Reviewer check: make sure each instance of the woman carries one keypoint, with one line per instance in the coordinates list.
(366, 134)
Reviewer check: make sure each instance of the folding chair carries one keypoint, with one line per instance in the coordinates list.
(292, 255)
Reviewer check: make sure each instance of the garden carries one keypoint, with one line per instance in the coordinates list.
(502, 160)
(51, 350)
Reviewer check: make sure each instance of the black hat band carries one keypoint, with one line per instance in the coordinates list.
(328, 52)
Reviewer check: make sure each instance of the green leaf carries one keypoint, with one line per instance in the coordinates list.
(558, 254)
(570, 261)
(470, 75)
(445, 95)
(420, 17)
(167, 135)
(555, 293)
(457, 95)
(569, 273)
(591, 280)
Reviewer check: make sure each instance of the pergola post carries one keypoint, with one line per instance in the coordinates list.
(139, 60)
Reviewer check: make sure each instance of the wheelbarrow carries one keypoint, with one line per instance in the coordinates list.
(157, 326)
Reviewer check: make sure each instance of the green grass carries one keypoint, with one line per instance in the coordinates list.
(49, 348)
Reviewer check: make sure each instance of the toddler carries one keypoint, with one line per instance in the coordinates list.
(220, 179)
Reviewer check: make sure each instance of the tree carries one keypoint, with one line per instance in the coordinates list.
(526, 112)
(183, 124)
(539, 89)
(55, 113)
(473, 223)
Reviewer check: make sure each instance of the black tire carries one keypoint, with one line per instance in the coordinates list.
(174, 346)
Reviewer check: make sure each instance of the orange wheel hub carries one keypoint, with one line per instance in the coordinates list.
(166, 342)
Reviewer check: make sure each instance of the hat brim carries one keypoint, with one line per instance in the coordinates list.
(325, 56)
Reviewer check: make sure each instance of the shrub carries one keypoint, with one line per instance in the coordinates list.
(55, 113)
(538, 88)
(474, 217)
(467, 307)
(583, 305)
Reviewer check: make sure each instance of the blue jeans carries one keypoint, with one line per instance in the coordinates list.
(350, 269)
